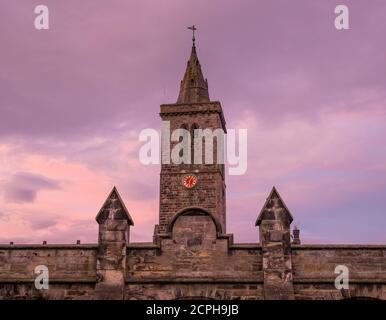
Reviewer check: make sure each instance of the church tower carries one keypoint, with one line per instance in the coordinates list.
(190, 185)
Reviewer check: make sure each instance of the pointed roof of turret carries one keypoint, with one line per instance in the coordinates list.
(114, 206)
(274, 209)
(193, 88)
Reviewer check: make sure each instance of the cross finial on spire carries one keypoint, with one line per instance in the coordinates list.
(193, 87)
(193, 28)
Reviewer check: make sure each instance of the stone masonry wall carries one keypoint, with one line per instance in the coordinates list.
(199, 255)
(314, 265)
(173, 270)
(205, 291)
(72, 271)
(75, 262)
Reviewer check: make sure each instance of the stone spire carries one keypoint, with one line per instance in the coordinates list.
(193, 88)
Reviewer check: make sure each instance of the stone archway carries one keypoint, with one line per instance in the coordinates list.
(195, 211)
(194, 229)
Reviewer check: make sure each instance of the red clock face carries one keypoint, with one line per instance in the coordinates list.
(190, 181)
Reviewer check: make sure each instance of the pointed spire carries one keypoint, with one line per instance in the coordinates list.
(114, 209)
(274, 209)
(193, 88)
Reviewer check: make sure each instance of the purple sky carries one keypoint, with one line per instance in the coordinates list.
(74, 99)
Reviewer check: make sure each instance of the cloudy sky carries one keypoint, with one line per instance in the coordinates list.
(73, 100)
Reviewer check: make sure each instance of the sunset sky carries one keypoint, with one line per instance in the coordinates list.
(73, 100)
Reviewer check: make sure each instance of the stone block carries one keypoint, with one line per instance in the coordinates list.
(108, 291)
(113, 236)
(116, 225)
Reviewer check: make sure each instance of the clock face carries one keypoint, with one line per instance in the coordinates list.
(189, 181)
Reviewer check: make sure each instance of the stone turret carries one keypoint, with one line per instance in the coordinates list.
(114, 232)
(274, 227)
